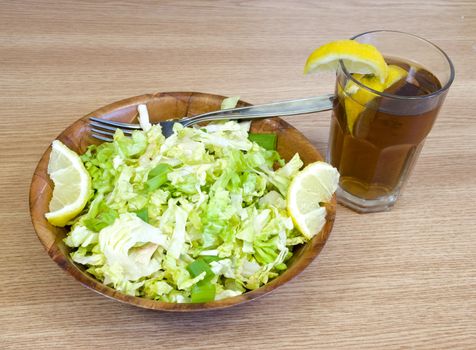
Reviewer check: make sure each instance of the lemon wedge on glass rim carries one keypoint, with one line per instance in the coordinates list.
(357, 58)
(314, 185)
(72, 184)
(367, 66)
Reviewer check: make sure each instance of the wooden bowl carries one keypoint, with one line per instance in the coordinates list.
(164, 106)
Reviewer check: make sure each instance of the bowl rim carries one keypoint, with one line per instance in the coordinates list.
(49, 239)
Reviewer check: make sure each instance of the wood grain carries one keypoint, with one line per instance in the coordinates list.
(397, 280)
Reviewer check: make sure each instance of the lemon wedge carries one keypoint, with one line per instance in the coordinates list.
(314, 185)
(357, 98)
(72, 184)
(357, 58)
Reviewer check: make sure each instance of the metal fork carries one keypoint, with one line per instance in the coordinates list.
(103, 129)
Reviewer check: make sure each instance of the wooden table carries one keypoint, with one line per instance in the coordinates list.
(400, 279)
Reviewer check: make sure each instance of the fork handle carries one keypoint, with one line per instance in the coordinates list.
(276, 109)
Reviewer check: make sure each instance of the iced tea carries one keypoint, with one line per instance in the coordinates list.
(375, 145)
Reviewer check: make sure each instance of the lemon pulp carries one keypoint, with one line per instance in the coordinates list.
(72, 184)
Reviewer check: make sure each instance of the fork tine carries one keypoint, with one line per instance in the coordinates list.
(101, 137)
(107, 127)
(102, 132)
(116, 124)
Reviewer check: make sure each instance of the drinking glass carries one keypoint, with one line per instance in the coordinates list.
(376, 136)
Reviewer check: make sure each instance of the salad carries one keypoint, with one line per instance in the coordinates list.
(196, 217)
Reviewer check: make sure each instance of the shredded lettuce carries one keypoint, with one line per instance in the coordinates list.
(195, 217)
(230, 102)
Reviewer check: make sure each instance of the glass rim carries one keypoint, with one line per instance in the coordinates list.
(392, 96)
